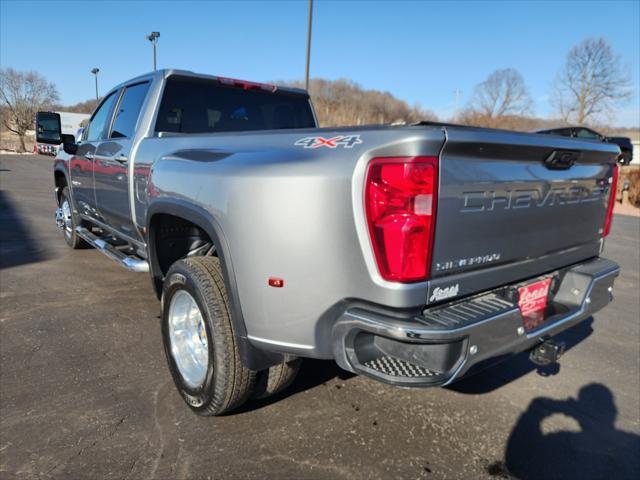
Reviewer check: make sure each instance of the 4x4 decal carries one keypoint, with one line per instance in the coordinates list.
(346, 141)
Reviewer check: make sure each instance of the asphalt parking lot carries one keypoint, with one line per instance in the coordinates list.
(85, 393)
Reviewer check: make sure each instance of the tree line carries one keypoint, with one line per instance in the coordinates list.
(589, 87)
(344, 102)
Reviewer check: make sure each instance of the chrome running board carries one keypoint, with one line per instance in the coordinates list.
(130, 262)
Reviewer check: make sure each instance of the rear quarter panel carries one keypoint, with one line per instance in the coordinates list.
(286, 211)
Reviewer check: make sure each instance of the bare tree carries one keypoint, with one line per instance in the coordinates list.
(502, 93)
(591, 83)
(23, 94)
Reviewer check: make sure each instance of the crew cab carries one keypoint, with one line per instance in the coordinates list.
(412, 254)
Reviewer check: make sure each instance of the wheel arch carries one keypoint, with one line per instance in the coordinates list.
(61, 180)
(252, 357)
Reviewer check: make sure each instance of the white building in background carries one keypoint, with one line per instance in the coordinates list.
(70, 122)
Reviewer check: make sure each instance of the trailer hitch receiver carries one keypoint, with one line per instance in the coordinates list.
(547, 353)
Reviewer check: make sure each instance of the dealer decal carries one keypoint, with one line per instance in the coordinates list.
(346, 141)
(444, 293)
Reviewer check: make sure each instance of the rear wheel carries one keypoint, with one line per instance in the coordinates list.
(69, 221)
(199, 340)
(275, 379)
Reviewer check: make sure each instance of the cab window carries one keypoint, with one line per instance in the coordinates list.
(129, 110)
(196, 105)
(585, 133)
(100, 119)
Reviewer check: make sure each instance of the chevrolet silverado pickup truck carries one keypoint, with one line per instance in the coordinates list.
(413, 255)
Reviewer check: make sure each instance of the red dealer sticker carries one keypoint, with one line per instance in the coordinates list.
(532, 301)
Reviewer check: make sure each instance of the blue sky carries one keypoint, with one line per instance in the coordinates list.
(419, 51)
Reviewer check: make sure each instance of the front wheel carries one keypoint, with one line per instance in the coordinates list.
(68, 221)
(199, 340)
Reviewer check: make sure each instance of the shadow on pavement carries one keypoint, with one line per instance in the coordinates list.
(596, 450)
(17, 246)
(318, 372)
(512, 367)
(312, 373)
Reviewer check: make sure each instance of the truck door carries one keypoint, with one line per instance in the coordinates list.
(82, 162)
(112, 168)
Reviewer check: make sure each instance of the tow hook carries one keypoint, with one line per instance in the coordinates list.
(59, 218)
(547, 353)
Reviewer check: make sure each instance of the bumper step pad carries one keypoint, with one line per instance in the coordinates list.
(466, 312)
(398, 368)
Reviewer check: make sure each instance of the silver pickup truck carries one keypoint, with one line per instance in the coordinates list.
(410, 254)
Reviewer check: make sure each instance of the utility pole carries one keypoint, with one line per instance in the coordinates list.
(95, 73)
(457, 93)
(306, 76)
(153, 38)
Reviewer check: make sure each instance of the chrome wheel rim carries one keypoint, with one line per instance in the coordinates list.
(66, 217)
(188, 337)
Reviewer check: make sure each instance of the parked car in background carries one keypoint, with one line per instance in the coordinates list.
(44, 149)
(626, 148)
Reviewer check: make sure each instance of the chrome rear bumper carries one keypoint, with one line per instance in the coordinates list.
(441, 345)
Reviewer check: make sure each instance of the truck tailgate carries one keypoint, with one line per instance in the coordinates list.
(505, 211)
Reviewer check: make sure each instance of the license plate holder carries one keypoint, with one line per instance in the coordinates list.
(532, 300)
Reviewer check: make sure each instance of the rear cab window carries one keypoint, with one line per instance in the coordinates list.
(197, 105)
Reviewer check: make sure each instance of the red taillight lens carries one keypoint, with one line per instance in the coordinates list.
(612, 200)
(401, 195)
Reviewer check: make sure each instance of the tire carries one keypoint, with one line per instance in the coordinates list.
(71, 221)
(225, 383)
(275, 379)
(625, 158)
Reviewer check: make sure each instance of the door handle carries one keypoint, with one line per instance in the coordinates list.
(88, 156)
(122, 158)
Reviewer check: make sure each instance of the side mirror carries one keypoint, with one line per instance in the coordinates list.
(48, 128)
(69, 144)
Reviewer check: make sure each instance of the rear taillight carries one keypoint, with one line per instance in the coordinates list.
(401, 195)
(612, 200)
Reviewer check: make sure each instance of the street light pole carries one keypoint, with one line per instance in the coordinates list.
(95, 73)
(306, 76)
(153, 38)
(457, 93)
